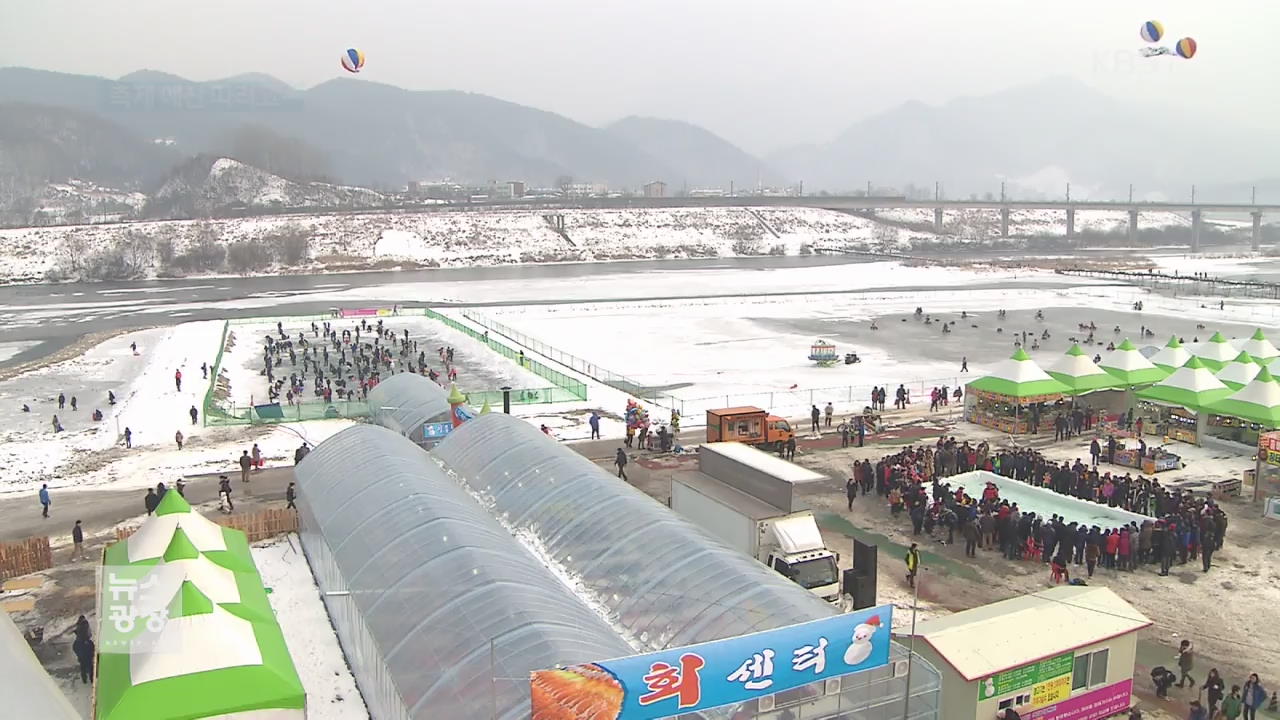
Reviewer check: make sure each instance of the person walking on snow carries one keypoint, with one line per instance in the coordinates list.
(964, 364)
(246, 462)
(62, 401)
(128, 438)
(83, 648)
(44, 500)
(620, 459)
(177, 379)
(851, 491)
(73, 403)
(290, 495)
(257, 457)
(1253, 695)
(594, 422)
(151, 501)
(1186, 662)
(77, 542)
(177, 437)
(815, 415)
(204, 371)
(828, 411)
(194, 414)
(913, 564)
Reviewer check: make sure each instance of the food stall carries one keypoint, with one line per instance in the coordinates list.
(1154, 460)
(1249, 413)
(1182, 397)
(1012, 397)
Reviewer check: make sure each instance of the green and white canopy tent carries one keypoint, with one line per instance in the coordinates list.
(1078, 372)
(1172, 356)
(1260, 348)
(1128, 365)
(1191, 386)
(195, 636)
(1258, 402)
(1216, 352)
(1019, 378)
(1239, 372)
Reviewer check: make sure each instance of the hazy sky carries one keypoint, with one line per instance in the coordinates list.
(762, 74)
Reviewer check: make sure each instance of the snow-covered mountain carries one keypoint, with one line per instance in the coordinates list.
(209, 187)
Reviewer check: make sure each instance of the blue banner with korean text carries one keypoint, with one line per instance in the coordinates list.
(699, 677)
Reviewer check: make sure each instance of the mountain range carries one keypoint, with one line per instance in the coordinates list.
(131, 132)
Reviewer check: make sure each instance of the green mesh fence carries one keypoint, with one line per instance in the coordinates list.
(566, 389)
(562, 389)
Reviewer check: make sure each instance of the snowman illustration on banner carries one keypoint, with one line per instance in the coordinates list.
(860, 649)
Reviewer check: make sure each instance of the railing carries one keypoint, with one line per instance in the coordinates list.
(260, 525)
(848, 399)
(569, 360)
(563, 388)
(569, 388)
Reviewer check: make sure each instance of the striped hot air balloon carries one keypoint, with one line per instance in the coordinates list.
(1152, 31)
(352, 60)
(1186, 48)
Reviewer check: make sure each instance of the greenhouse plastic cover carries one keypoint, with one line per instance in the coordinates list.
(405, 402)
(435, 577)
(664, 581)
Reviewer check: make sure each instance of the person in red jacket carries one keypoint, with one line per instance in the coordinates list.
(1113, 545)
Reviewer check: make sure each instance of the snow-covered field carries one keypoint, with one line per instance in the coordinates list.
(455, 238)
(148, 403)
(313, 644)
(478, 367)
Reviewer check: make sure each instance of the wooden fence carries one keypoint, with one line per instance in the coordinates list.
(21, 557)
(257, 526)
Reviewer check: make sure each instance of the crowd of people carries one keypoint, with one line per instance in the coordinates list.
(913, 481)
(345, 363)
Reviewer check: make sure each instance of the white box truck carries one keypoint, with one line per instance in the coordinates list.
(787, 541)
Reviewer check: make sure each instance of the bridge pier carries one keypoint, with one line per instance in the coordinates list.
(1256, 242)
(1133, 226)
(1004, 222)
(1071, 223)
(1195, 231)
(937, 220)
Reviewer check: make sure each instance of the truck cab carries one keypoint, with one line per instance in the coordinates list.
(796, 551)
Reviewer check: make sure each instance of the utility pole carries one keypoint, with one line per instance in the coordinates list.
(1193, 194)
(1002, 191)
(1253, 196)
(1068, 192)
(868, 188)
(911, 647)
(937, 190)
(1130, 193)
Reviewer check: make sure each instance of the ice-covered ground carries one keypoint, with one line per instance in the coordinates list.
(148, 403)
(478, 367)
(313, 644)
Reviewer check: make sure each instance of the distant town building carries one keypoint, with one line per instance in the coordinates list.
(655, 189)
(585, 189)
(707, 192)
(515, 188)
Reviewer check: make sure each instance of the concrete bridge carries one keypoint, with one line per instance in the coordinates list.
(939, 207)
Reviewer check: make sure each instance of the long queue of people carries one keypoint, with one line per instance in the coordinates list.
(912, 481)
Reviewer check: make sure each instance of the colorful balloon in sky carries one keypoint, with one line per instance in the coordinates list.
(352, 60)
(1152, 31)
(1186, 48)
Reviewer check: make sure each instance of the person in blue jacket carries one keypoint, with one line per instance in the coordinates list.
(44, 499)
(1254, 696)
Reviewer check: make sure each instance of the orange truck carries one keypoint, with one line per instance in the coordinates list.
(750, 426)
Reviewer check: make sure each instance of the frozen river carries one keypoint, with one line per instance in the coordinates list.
(1047, 503)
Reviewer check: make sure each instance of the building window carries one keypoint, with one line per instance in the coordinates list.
(1090, 670)
(1098, 668)
(1015, 702)
(1080, 677)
